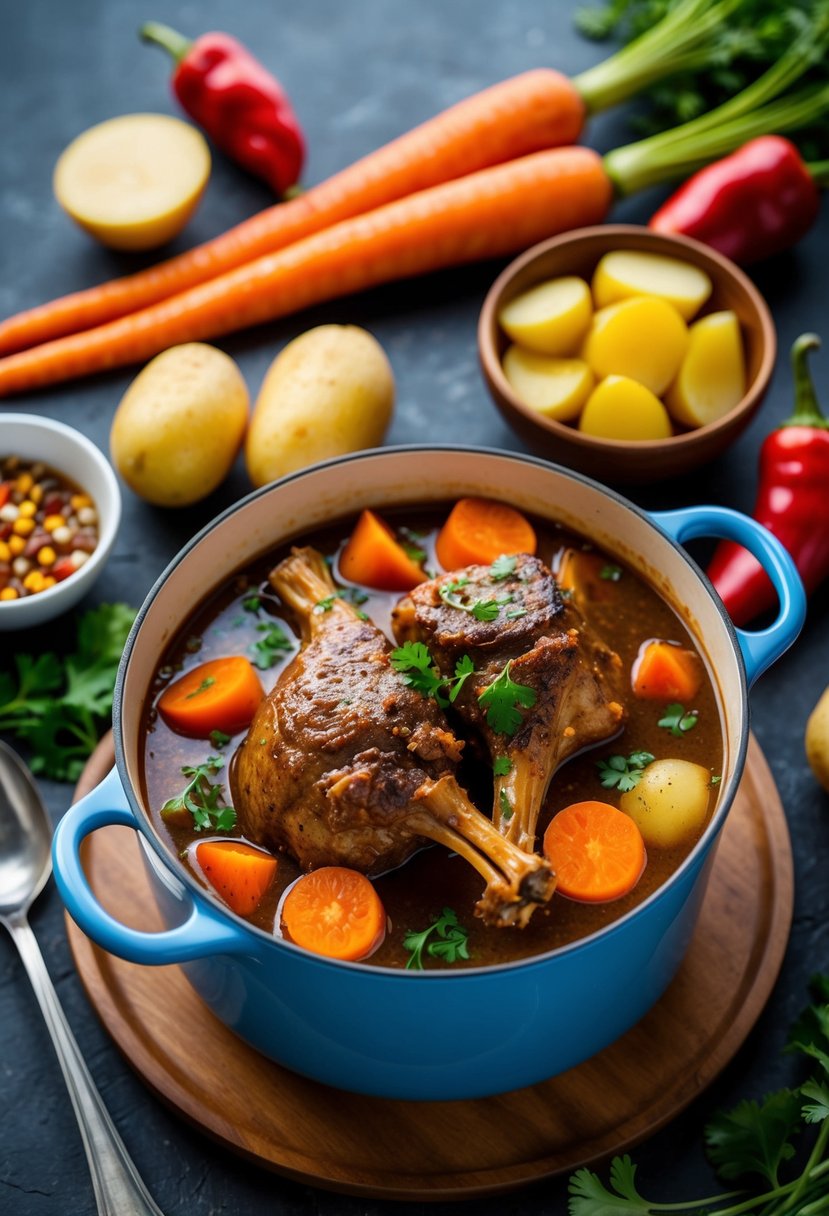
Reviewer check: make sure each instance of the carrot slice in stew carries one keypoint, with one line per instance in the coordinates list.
(240, 873)
(222, 694)
(666, 672)
(478, 530)
(587, 577)
(374, 558)
(336, 912)
(597, 852)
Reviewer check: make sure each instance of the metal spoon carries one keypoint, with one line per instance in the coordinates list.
(25, 865)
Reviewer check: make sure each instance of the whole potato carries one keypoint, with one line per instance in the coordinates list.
(817, 740)
(670, 803)
(329, 392)
(180, 425)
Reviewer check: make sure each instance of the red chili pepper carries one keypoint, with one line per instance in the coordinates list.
(240, 105)
(792, 502)
(756, 202)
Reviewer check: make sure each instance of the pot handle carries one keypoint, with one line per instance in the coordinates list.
(202, 933)
(761, 647)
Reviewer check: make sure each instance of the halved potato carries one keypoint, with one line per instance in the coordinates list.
(133, 182)
(712, 377)
(643, 338)
(557, 388)
(625, 273)
(551, 318)
(621, 408)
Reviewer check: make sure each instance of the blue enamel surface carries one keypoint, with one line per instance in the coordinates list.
(760, 648)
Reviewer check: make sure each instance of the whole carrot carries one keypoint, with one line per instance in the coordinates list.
(483, 215)
(536, 110)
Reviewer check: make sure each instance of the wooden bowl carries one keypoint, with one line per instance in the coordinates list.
(577, 253)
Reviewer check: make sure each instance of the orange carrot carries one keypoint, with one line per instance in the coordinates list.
(538, 109)
(588, 577)
(664, 671)
(485, 215)
(240, 873)
(222, 694)
(597, 852)
(373, 557)
(478, 530)
(336, 912)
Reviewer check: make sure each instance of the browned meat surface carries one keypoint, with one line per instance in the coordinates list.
(550, 650)
(345, 765)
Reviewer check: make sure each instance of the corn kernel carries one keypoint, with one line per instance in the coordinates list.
(46, 556)
(80, 500)
(23, 527)
(53, 521)
(48, 581)
(5, 552)
(33, 581)
(8, 593)
(27, 509)
(16, 545)
(36, 494)
(24, 483)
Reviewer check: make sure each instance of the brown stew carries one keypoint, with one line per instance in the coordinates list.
(617, 604)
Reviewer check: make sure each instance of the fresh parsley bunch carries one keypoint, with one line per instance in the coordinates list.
(60, 707)
(753, 1144)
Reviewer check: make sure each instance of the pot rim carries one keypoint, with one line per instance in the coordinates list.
(259, 936)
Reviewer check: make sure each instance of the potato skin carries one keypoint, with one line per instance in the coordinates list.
(817, 740)
(670, 803)
(329, 392)
(180, 424)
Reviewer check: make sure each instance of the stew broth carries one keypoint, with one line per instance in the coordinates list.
(622, 609)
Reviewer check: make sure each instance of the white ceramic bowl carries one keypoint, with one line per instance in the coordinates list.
(67, 451)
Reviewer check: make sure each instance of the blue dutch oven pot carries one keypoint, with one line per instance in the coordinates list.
(437, 1034)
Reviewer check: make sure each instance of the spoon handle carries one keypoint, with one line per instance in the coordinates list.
(118, 1188)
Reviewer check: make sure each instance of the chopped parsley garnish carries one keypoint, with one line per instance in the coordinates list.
(409, 545)
(611, 574)
(623, 773)
(716, 780)
(449, 944)
(270, 647)
(515, 613)
(252, 604)
(502, 568)
(206, 683)
(502, 700)
(351, 595)
(482, 610)
(218, 738)
(414, 662)
(505, 805)
(677, 721)
(201, 798)
(502, 766)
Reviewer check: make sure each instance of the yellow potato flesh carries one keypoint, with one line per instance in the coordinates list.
(645, 339)
(133, 182)
(621, 408)
(551, 318)
(557, 388)
(712, 377)
(180, 424)
(670, 803)
(817, 740)
(625, 273)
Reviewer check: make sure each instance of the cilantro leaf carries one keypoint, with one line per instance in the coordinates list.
(200, 799)
(414, 662)
(623, 773)
(464, 668)
(482, 610)
(219, 739)
(271, 646)
(503, 700)
(754, 1137)
(450, 944)
(502, 567)
(677, 721)
(411, 546)
(818, 1111)
(252, 603)
(206, 683)
(502, 766)
(589, 1196)
(610, 573)
(505, 805)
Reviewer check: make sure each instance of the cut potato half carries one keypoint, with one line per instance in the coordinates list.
(626, 273)
(621, 408)
(551, 318)
(643, 338)
(712, 376)
(133, 182)
(557, 388)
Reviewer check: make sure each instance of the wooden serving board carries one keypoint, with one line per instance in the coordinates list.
(409, 1150)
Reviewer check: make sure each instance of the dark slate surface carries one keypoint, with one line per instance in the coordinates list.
(360, 73)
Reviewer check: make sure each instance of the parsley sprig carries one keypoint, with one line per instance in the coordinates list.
(503, 701)
(677, 720)
(60, 707)
(201, 798)
(502, 567)
(482, 610)
(753, 1141)
(450, 944)
(271, 646)
(414, 662)
(623, 773)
